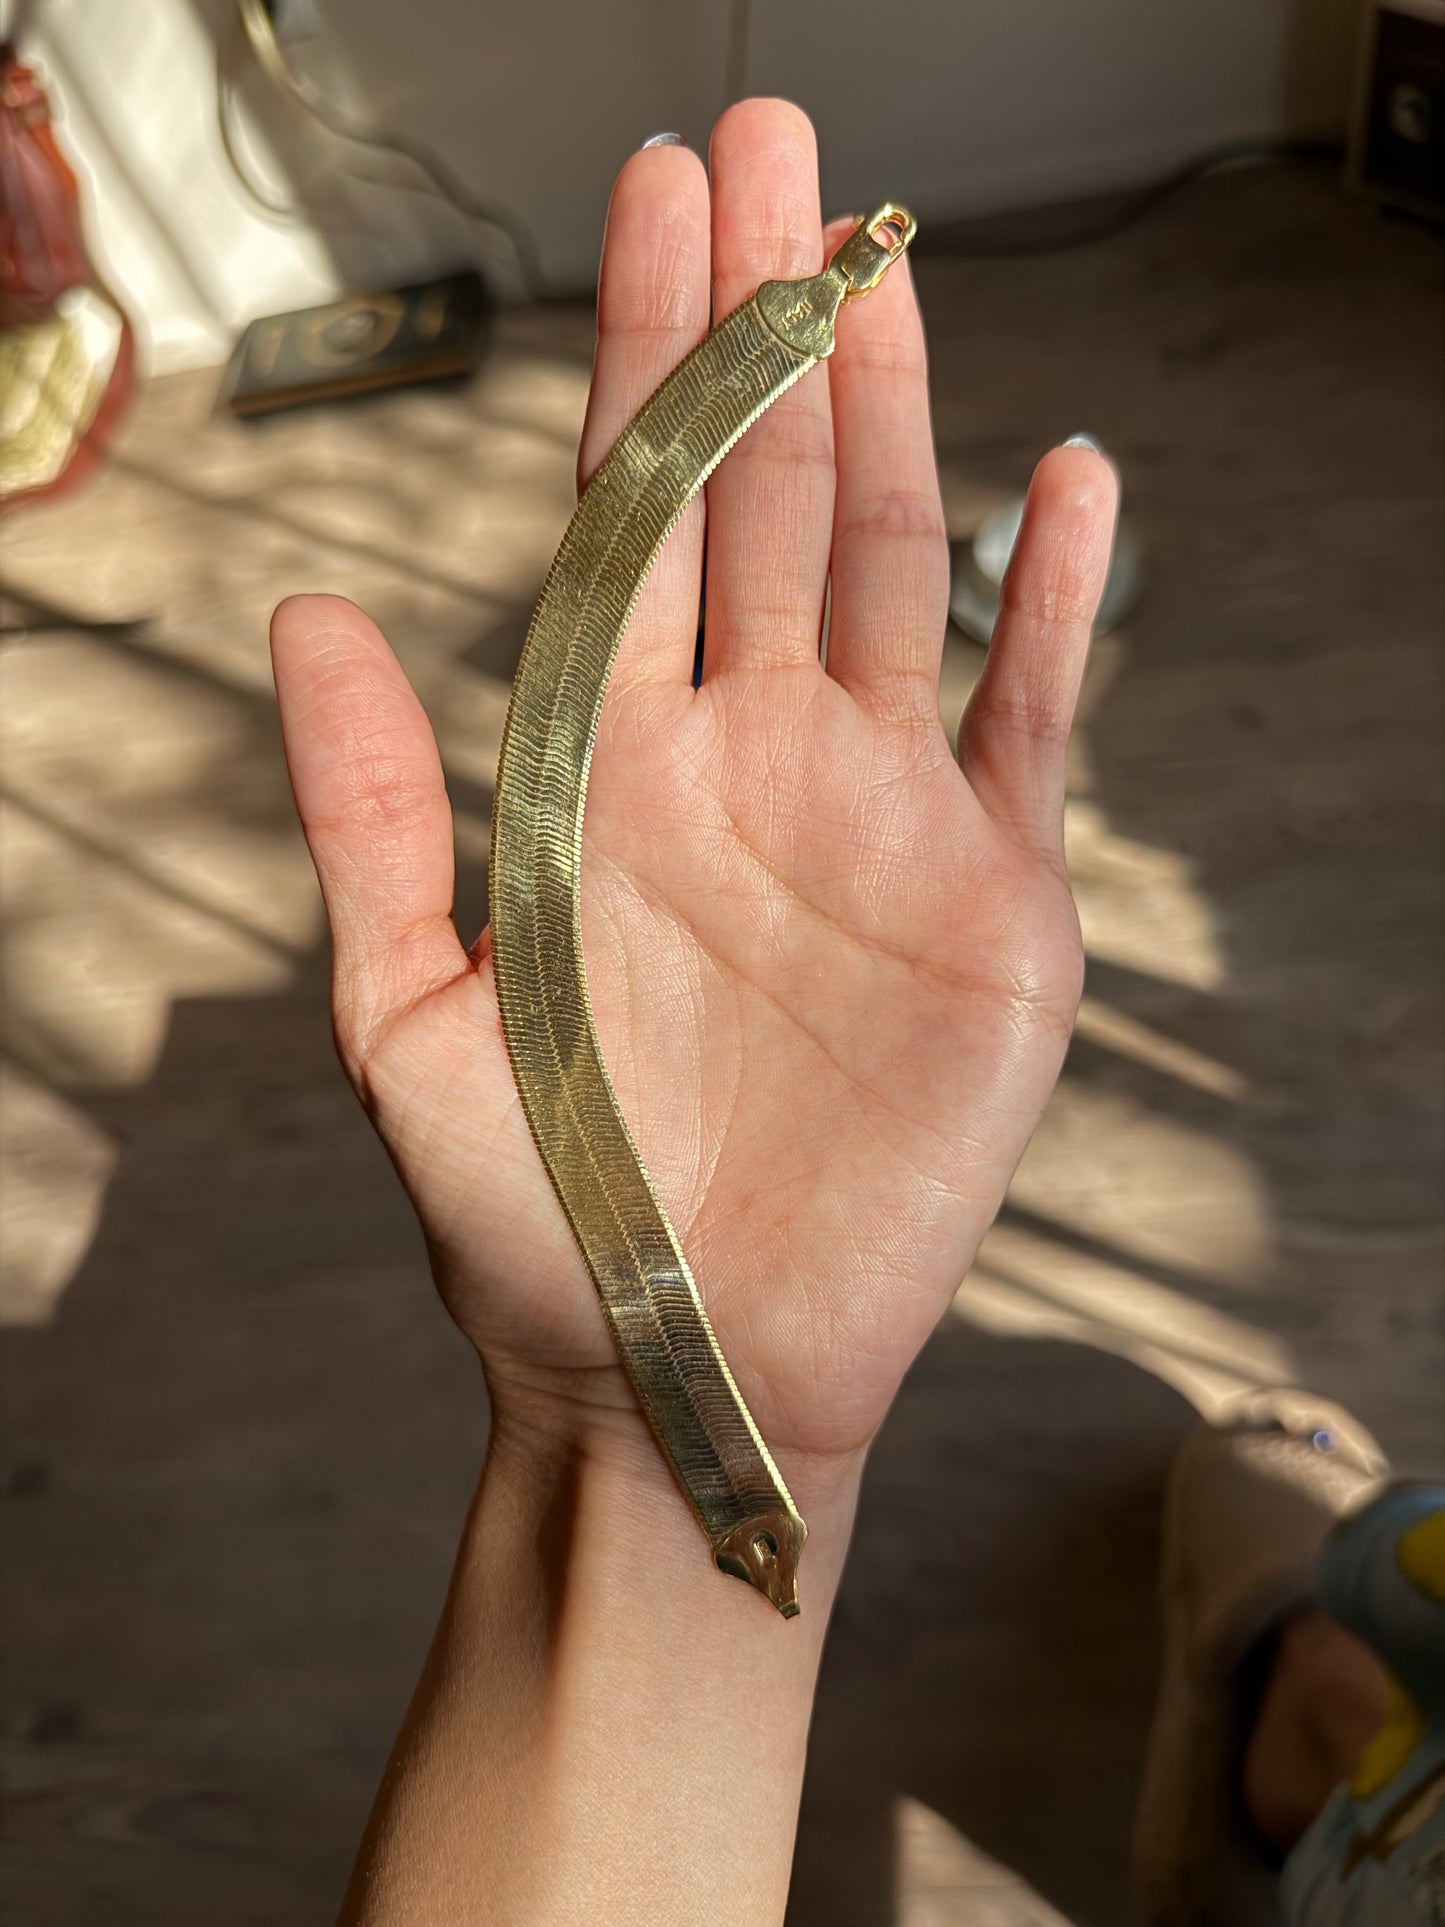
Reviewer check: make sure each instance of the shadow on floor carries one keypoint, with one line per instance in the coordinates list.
(993, 1653)
(226, 1551)
(237, 1461)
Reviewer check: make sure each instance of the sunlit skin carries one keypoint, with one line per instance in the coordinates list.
(833, 966)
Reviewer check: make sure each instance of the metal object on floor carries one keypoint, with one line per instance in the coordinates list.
(647, 1290)
(978, 571)
(430, 331)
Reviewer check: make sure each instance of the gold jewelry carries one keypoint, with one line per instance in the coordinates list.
(634, 501)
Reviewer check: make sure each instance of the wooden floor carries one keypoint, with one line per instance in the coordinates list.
(239, 1433)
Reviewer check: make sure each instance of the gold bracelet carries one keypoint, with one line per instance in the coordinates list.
(662, 459)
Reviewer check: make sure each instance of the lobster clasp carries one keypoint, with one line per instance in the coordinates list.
(865, 260)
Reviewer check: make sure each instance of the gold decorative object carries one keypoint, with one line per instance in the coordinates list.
(634, 501)
(55, 373)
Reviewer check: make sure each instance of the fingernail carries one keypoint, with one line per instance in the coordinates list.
(664, 140)
(1084, 441)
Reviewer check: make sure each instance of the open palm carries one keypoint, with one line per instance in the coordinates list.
(832, 971)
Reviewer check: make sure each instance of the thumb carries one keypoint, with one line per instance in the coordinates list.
(372, 801)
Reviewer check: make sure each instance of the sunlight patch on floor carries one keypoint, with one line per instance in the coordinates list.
(1130, 1226)
(942, 1878)
(1117, 1030)
(1208, 1359)
(1125, 1219)
(1117, 1172)
(144, 859)
(54, 1167)
(1137, 904)
(149, 848)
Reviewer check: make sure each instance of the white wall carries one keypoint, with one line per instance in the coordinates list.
(983, 105)
(952, 108)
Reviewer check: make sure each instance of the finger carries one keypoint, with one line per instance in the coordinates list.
(770, 505)
(652, 309)
(890, 552)
(369, 791)
(1014, 739)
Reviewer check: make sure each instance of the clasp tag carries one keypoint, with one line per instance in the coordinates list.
(801, 313)
(865, 260)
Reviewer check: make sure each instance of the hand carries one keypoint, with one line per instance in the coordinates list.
(833, 972)
(833, 975)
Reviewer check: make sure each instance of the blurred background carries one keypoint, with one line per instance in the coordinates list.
(317, 317)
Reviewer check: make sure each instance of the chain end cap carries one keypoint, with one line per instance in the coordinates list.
(765, 1552)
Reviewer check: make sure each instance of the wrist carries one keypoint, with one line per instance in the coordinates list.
(605, 1720)
(583, 1432)
(673, 1691)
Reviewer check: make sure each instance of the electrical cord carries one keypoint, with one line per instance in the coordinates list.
(258, 34)
(437, 179)
(278, 213)
(1127, 209)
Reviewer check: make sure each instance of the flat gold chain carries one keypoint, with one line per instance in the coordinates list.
(647, 1290)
